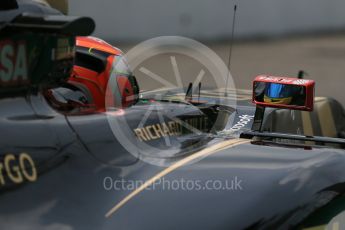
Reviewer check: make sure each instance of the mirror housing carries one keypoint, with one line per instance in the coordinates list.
(284, 92)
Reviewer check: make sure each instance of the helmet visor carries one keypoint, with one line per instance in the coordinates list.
(278, 91)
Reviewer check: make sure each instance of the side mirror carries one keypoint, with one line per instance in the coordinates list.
(283, 92)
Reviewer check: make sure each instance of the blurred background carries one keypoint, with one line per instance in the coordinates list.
(276, 37)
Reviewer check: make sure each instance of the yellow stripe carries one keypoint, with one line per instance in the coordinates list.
(61, 5)
(203, 153)
(323, 227)
(318, 99)
(307, 124)
(326, 119)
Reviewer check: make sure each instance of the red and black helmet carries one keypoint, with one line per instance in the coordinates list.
(96, 63)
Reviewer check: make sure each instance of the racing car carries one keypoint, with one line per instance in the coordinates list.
(74, 154)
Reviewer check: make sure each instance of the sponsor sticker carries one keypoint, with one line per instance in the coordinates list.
(13, 62)
(169, 129)
(17, 169)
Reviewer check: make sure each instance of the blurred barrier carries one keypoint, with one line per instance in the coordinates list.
(133, 20)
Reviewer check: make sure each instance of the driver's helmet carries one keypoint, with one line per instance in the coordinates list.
(278, 94)
(97, 62)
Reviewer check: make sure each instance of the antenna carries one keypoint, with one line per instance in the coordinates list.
(301, 74)
(189, 93)
(230, 49)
